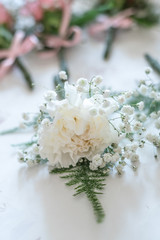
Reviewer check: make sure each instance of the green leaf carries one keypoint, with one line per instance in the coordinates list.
(89, 16)
(86, 181)
(52, 21)
(5, 37)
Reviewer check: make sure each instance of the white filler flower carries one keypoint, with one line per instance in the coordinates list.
(74, 132)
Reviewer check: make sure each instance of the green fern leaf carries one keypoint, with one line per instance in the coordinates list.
(86, 181)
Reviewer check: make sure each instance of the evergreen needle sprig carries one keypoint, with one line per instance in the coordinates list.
(86, 181)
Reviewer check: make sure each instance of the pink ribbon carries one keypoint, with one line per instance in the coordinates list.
(62, 40)
(5, 17)
(121, 20)
(19, 46)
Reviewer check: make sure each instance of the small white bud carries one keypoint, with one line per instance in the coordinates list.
(106, 104)
(106, 93)
(45, 122)
(140, 105)
(63, 75)
(143, 89)
(82, 82)
(97, 80)
(25, 116)
(50, 95)
(148, 70)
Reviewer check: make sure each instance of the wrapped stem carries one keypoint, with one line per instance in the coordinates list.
(25, 73)
(58, 82)
(109, 41)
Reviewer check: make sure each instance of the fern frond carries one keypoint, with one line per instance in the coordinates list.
(86, 181)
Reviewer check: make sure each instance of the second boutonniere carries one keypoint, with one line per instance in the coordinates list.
(53, 28)
(13, 45)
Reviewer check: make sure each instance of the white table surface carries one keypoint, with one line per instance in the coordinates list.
(35, 205)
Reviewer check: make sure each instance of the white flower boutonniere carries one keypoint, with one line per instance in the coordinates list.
(91, 133)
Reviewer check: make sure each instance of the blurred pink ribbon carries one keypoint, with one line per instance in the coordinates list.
(65, 32)
(5, 17)
(121, 20)
(19, 46)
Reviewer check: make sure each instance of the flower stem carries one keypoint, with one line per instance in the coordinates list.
(109, 41)
(62, 61)
(153, 63)
(13, 130)
(25, 73)
(58, 82)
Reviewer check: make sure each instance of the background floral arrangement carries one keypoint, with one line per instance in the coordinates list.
(92, 132)
(51, 26)
(13, 45)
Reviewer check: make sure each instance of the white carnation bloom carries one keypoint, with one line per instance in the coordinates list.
(74, 132)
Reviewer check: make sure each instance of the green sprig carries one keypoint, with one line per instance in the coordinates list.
(58, 82)
(25, 73)
(86, 181)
